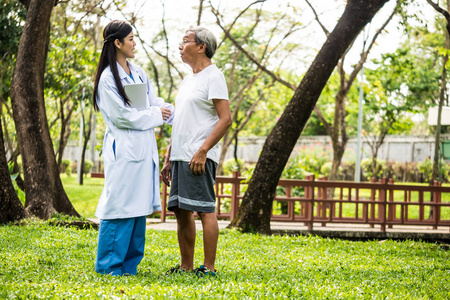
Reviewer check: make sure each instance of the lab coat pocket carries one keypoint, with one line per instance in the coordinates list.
(109, 148)
(135, 146)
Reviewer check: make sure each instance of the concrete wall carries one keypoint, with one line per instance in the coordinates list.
(395, 148)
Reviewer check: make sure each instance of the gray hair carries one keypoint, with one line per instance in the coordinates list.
(204, 36)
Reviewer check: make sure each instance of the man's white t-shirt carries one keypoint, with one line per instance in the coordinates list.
(195, 114)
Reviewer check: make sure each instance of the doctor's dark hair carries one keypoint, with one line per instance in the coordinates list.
(115, 30)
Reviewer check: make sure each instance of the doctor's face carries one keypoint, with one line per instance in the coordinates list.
(127, 47)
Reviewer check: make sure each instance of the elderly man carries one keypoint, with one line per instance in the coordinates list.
(202, 117)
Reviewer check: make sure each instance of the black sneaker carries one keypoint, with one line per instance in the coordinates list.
(176, 270)
(204, 271)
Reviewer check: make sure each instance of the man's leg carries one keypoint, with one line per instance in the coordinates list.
(186, 237)
(210, 237)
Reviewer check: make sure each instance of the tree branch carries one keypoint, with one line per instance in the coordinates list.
(364, 54)
(325, 30)
(251, 57)
(200, 10)
(442, 11)
(237, 17)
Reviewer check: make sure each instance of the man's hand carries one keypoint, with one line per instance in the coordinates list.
(198, 161)
(165, 172)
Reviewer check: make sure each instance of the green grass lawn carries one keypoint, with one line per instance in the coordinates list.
(83, 197)
(39, 261)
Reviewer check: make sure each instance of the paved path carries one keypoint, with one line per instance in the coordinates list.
(345, 231)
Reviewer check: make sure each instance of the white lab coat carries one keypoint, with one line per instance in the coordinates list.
(130, 154)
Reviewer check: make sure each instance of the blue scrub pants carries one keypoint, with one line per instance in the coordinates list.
(120, 246)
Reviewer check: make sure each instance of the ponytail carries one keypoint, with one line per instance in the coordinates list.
(115, 30)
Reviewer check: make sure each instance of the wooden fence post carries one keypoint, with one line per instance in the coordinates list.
(391, 207)
(291, 204)
(372, 205)
(383, 201)
(235, 190)
(322, 206)
(310, 208)
(436, 208)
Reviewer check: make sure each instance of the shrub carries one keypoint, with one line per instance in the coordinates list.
(426, 169)
(294, 169)
(326, 168)
(347, 171)
(404, 172)
(19, 192)
(366, 166)
(66, 163)
(230, 165)
(88, 164)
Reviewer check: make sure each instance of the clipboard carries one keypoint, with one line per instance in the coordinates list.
(137, 93)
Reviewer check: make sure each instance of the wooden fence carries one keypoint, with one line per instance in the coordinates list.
(320, 201)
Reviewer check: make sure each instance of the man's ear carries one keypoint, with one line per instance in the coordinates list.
(202, 48)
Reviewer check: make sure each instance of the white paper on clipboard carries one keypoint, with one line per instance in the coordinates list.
(137, 93)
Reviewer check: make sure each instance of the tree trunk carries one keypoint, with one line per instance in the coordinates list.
(10, 207)
(45, 194)
(63, 135)
(437, 144)
(446, 14)
(86, 136)
(14, 152)
(338, 135)
(255, 211)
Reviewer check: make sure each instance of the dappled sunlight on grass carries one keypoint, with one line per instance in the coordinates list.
(42, 261)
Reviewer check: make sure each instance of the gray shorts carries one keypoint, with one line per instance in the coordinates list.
(191, 192)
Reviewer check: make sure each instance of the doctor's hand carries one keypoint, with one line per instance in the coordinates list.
(165, 173)
(198, 161)
(166, 113)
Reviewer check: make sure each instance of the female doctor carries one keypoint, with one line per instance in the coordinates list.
(130, 154)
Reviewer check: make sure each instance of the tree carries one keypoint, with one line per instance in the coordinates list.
(255, 210)
(446, 14)
(45, 194)
(11, 209)
(391, 95)
(337, 129)
(12, 17)
(247, 83)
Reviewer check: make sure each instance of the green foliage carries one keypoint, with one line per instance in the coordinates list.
(294, 169)
(39, 261)
(310, 160)
(71, 64)
(19, 192)
(404, 172)
(326, 168)
(12, 17)
(400, 86)
(88, 164)
(327, 104)
(366, 166)
(230, 165)
(66, 166)
(426, 168)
